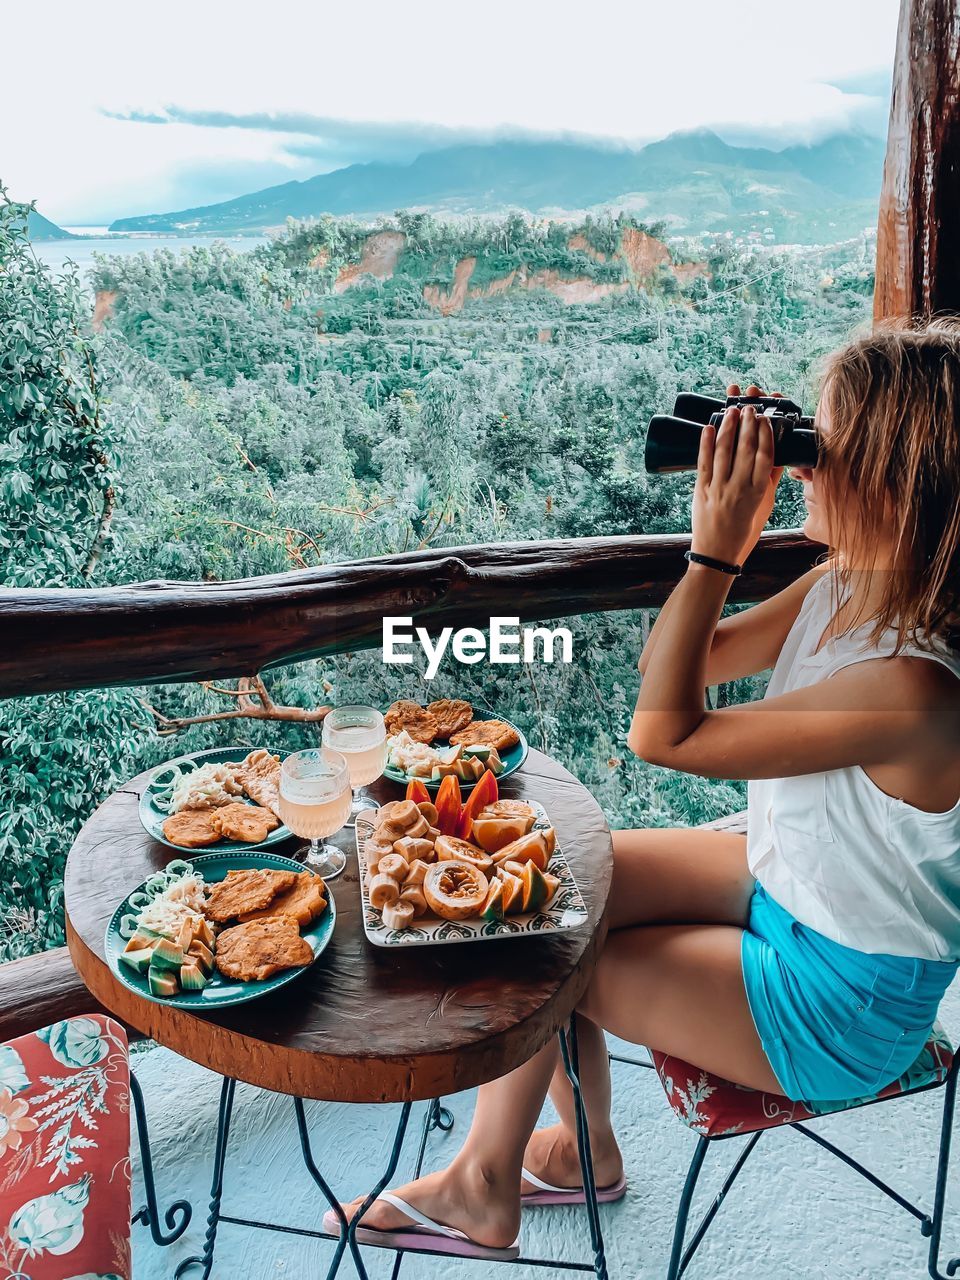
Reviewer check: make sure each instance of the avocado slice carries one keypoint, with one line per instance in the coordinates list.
(138, 960)
(162, 982)
(167, 955)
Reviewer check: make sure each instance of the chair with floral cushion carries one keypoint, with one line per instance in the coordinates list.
(65, 1152)
(715, 1109)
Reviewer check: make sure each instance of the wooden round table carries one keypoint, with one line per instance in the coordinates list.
(363, 1024)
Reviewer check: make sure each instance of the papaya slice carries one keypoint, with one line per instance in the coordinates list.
(448, 805)
(483, 794)
(417, 792)
(512, 892)
(535, 891)
(493, 908)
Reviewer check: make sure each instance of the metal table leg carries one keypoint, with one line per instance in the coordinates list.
(348, 1231)
(438, 1117)
(571, 1065)
(149, 1214)
(205, 1259)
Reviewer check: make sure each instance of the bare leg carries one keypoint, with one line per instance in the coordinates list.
(678, 987)
(659, 877)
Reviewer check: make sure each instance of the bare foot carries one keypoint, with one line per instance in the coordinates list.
(553, 1156)
(461, 1197)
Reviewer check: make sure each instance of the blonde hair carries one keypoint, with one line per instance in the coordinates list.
(894, 443)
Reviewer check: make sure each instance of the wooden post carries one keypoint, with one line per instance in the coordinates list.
(918, 235)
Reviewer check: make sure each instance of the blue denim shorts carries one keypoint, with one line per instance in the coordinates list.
(835, 1023)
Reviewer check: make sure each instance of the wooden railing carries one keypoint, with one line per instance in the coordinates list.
(56, 640)
(162, 631)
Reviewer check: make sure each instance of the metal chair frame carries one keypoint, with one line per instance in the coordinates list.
(931, 1225)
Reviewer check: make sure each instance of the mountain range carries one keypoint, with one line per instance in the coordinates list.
(694, 181)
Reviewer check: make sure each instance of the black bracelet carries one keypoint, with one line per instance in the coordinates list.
(734, 570)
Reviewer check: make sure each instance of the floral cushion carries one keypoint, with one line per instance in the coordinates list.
(714, 1107)
(65, 1153)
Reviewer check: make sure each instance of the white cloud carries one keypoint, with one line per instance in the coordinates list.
(632, 69)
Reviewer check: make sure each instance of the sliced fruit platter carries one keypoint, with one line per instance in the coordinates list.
(219, 930)
(443, 871)
(445, 739)
(226, 797)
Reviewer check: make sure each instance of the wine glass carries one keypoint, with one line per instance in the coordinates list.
(315, 803)
(359, 735)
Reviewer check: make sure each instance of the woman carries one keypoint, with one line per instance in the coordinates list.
(809, 957)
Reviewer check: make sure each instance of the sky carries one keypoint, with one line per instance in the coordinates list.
(128, 108)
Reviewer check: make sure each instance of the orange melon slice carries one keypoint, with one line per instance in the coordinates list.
(512, 892)
(533, 847)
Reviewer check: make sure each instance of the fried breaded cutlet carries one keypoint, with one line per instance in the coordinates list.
(259, 775)
(418, 722)
(450, 714)
(260, 948)
(243, 891)
(493, 733)
(247, 822)
(304, 901)
(192, 828)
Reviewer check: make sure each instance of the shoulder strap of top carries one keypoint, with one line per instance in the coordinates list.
(848, 655)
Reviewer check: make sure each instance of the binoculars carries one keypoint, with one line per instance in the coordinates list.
(673, 442)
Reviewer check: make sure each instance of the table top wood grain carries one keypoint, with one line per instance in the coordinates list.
(363, 1024)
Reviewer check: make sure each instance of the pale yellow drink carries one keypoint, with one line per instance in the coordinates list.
(365, 760)
(318, 820)
(315, 798)
(360, 736)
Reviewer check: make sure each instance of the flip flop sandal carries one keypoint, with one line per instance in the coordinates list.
(426, 1237)
(549, 1194)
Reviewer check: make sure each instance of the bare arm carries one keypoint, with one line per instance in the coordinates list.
(748, 642)
(871, 714)
(876, 713)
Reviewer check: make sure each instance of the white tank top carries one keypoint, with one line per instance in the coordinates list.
(843, 857)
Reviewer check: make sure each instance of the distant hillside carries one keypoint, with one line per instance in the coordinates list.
(694, 181)
(41, 228)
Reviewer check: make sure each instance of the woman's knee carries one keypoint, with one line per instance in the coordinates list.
(679, 875)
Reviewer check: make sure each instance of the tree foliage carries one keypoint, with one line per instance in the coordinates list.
(275, 410)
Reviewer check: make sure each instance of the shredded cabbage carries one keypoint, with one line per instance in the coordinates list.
(166, 900)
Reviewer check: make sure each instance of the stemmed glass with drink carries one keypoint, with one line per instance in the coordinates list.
(360, 736)
(315, 803)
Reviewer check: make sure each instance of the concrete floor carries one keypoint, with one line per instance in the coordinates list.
(796, 1213)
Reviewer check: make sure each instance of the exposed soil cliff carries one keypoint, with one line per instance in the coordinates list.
(103, 307)
(642, 256)
(379, 257)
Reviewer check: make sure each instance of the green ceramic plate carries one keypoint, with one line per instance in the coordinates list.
(512, 761)
(153, 817)
(220, 991)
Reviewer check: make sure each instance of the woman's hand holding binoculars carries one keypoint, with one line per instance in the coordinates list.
(736, 483)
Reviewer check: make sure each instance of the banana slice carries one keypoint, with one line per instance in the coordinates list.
(393, 865)
(398, 916)
(384, 891)
(414, 895)
(412, 848)
(415, 873)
